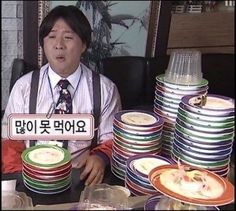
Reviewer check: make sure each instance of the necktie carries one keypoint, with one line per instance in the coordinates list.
(64, 103)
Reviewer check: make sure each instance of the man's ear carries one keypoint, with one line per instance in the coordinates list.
(84, 47)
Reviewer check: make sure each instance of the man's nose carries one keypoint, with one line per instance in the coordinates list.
(59, 43)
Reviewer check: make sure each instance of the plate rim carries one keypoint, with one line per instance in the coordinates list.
(66, 159)
(159, 120)
(226, 197)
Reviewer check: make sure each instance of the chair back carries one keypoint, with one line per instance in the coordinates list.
(129, 75)
(18, 69)
(218, 69)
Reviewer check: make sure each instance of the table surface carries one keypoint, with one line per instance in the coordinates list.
(72, 194)
(68, 196)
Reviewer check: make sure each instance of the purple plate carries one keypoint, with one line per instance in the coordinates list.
(130, 173)
(184, 110)
(135, 164)
(197, 162)
(154, 132)
(200, 156)
(139, 182)
(216, 105)
(117, 161)
(119, 157)
(203, 144)
(155, 120)
(152, 201)
(207, 151)
(140, 189)
(133, 191)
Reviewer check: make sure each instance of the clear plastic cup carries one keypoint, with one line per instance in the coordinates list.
(104, 197)
(16, 200)
(184, 67)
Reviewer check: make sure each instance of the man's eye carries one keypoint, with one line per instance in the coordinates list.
(69, 38)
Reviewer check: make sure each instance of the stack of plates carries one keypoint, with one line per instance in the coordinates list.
(134, 132)
(138, 168)
(46, 169)
(166, 103)
(204, 135)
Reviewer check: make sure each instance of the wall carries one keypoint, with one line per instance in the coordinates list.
(209, 32)
(12, 42)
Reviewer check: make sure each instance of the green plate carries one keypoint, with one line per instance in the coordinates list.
(208, 124)
(200, 117)
(136, 137)
(195, 135)
(201, 164)
(30, 156)
(46, 186)
(161, 81)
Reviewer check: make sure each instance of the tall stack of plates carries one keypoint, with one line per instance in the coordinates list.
(134, 132)
(138, 168)
(166, 103)
(204, 134)
(46, 169)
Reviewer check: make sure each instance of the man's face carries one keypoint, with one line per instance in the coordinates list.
(63, 48)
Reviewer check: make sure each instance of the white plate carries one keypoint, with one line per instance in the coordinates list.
(215, 105)
(138, 118)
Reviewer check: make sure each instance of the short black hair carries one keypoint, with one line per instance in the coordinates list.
(73, 16)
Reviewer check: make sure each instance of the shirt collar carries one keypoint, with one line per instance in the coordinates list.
(55, 78)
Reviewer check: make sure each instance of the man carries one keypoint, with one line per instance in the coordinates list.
(64, 35)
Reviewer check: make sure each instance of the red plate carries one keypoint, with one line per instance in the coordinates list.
(48, 178)
(47, 172)
(34, 168)
(226, 197)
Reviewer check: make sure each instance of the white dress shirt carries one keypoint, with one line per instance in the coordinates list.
(81, 90)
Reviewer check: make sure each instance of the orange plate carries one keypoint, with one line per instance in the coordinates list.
(226, 198)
